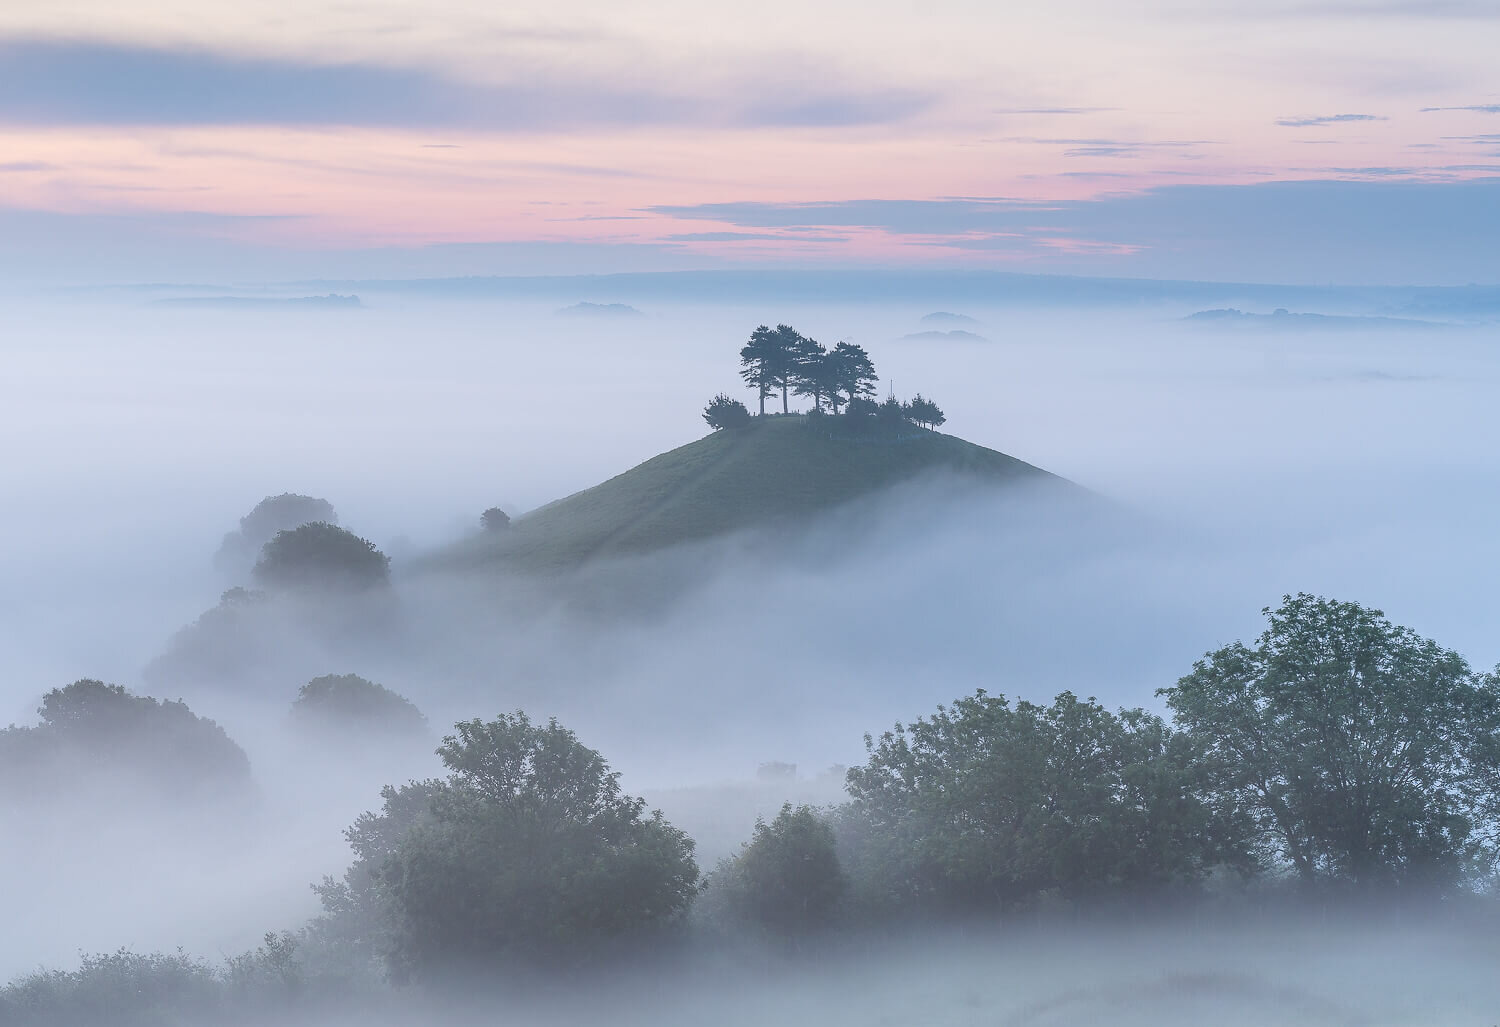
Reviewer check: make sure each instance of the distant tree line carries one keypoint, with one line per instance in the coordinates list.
(1339, 754)
(842, 380)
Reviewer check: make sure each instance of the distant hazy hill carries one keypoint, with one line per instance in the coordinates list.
(776, 470)
(953, 335)
(600, 310)
(1283, 319)
(332, 301)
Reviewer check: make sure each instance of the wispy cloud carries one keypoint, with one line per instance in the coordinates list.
(1327, 119)
(28, 165)
(54, 82)
(1481, 108)
(1053, 110)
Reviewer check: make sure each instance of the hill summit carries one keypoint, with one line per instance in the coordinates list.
(775, 470)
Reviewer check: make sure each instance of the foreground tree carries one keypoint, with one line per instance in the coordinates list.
(724, 412)
(529, 848)
(988, 805)
(1367, 753)
(321, 555)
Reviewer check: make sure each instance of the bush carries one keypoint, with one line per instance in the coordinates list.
(348, 701)
(321, 555)
(787, 878)
(494, 519)
(105, 734)
(528, 849)
(724, 412)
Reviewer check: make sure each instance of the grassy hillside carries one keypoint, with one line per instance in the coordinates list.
(778, 468)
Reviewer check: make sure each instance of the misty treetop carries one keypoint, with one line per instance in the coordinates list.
(528, 847)
(92, 733)
(272, 514)
(321, 556)
(348, 702)
(783, 360)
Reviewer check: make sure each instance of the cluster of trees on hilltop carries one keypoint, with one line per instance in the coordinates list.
(783, 360)
(1338, 754)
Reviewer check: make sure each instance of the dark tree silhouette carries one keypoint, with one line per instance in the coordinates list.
(260, 525)
(494, 519)
(787, 877)
(321, 555)
(724, 412)
(350, 702)
(851, 372)
(925, 412)
(529, 848)
(813, 375)
(759, 363)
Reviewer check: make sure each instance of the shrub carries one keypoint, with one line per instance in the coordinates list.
(724, 412)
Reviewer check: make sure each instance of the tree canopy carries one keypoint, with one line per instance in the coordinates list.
(988, 804)
(787, 878)
(321, 555)
(348, 701)
(1365, 752)
(529, 846)
(272, 514)
(103, 733)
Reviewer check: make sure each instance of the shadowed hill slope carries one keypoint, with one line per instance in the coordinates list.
(778, 469)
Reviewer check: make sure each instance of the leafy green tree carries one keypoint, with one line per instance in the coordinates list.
(494, 519)
(925, 412)
(1367, 753)
(348, 701)
(724, 412)
(321, 555)
(985, 804)
(851, 373)
(528, 848)
(787, 878)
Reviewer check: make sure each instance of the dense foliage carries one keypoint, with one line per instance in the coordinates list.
(528, 848)
(321, 556)
(787, 878)
(348, 701)
(1367, 753)
(260, 525)
(102, 733)
(985, 804)
(724, 412)
(494, 519)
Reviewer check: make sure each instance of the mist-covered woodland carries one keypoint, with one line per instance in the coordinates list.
(1149, 678)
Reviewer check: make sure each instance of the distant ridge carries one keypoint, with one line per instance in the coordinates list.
(329, 302)
(778, 470)
(1283, 319)
(600, 310)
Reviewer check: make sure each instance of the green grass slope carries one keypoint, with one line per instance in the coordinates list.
(777, 469)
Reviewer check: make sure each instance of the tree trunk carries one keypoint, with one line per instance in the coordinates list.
(763, 401)
(783, 398)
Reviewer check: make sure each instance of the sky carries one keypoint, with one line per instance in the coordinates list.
(1263, 140)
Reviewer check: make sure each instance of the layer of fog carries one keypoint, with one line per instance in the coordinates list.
(1358, 466)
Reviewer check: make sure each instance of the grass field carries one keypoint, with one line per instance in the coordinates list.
(777, 468)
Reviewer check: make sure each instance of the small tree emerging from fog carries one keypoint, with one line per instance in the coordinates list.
(528, 849)
(348, 701)
(724, 412)
(321, 555)
(494, 519)
(787, 878)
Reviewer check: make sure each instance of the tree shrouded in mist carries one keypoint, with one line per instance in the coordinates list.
(851, 373)
(724, 412)
(321, 555)
(93, 731)
(528, 848)
(813, 375)
(350, 702)
(985, 804)
(763, 362)
(925, 412)
(494, 520)
(787, 878)
(272, 514)
(1367, 753)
